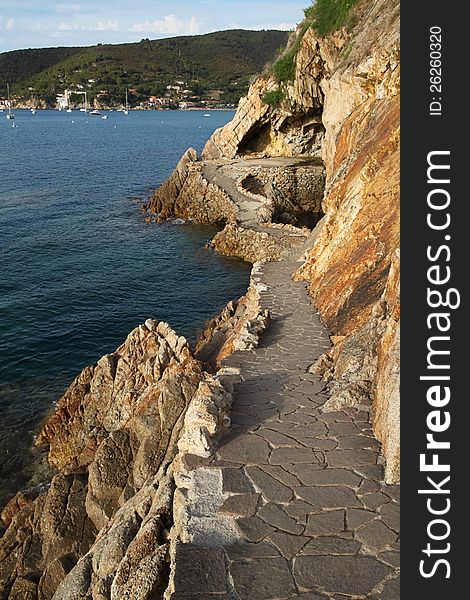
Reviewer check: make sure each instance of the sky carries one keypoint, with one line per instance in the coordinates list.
(39, 24)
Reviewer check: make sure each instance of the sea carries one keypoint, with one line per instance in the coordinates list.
(80, 267)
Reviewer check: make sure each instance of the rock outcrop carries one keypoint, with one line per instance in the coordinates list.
(314, 179)
(342, 106)
(239, 326)
(349, 264)
(101, 528)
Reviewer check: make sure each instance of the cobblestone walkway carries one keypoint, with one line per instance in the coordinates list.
(303, 485)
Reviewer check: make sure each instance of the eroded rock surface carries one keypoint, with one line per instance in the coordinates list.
(294, 499)
(113, 437)
(342, 106)
(349, 264)
(294, 503)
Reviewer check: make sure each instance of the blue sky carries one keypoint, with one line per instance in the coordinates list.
(36, 23)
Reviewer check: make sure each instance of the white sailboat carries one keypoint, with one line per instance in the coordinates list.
(85, 110)
(10, 115)
(126, 110)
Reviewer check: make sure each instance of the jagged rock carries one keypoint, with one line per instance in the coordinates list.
(46, 539)
(349, 264)
(115, 427)
(387, 384)
(253, 245)
(189, 195)
(171, 188)
(239, 326)
(146, 418)
(146, 375)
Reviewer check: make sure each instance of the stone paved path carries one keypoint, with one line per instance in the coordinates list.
(303, 485)
(252, 212)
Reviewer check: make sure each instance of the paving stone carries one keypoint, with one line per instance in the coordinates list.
(289, 545)
(252, 582)
(238, 418)
(357, 517)
(390, 557)
(244, 449)
(201, 569)
(391, 589)
(253, 529)
(393, 491)
(361, 416)
(355, 575)
(368, 487)
(343, 429)
(317, 471)
(274, 515)
(350, 458)
(335, 416)
(310, 596)
(282, 475)
(299, 510)
(331, 496)
(317, 443)
(357, 441)
(251, 550)
(278, 439)
(271, 488)
(390, 515)
(281, 456)
(311, 430)
(324, 545)
(250, 399)
(324, 523)
(310, 476)
(235, 481)
(373, 501)
(374, 472)
(299, 418)
(240, 505)
(196, 596)
(266, 414)
(376, 535)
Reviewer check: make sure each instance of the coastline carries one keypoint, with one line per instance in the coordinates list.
(259, 464)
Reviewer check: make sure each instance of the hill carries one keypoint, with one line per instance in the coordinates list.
(215, 66)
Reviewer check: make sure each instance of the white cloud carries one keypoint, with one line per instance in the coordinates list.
(61, 8)
(68, 27)
(101, 26)
(282, 26)
(169, 24)
(107, 26)
(10, 23)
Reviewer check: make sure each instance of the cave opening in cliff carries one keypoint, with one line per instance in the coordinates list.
(256, 140)
(298, 218)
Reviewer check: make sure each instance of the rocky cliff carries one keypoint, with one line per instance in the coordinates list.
(334, 131)
(310, 180)
(101, 528)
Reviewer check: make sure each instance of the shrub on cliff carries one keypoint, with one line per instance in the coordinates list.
(284, 67)
(274, 97)
(324, 16)
(328, 15)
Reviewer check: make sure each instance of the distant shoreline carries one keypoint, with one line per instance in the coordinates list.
(27, 108)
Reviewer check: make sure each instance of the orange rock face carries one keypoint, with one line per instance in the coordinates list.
(353, 266)
(349, 263)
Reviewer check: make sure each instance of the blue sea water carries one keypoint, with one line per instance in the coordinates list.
(79, 267)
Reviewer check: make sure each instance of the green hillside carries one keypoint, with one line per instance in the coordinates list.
(207, 64)
(18, 65)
